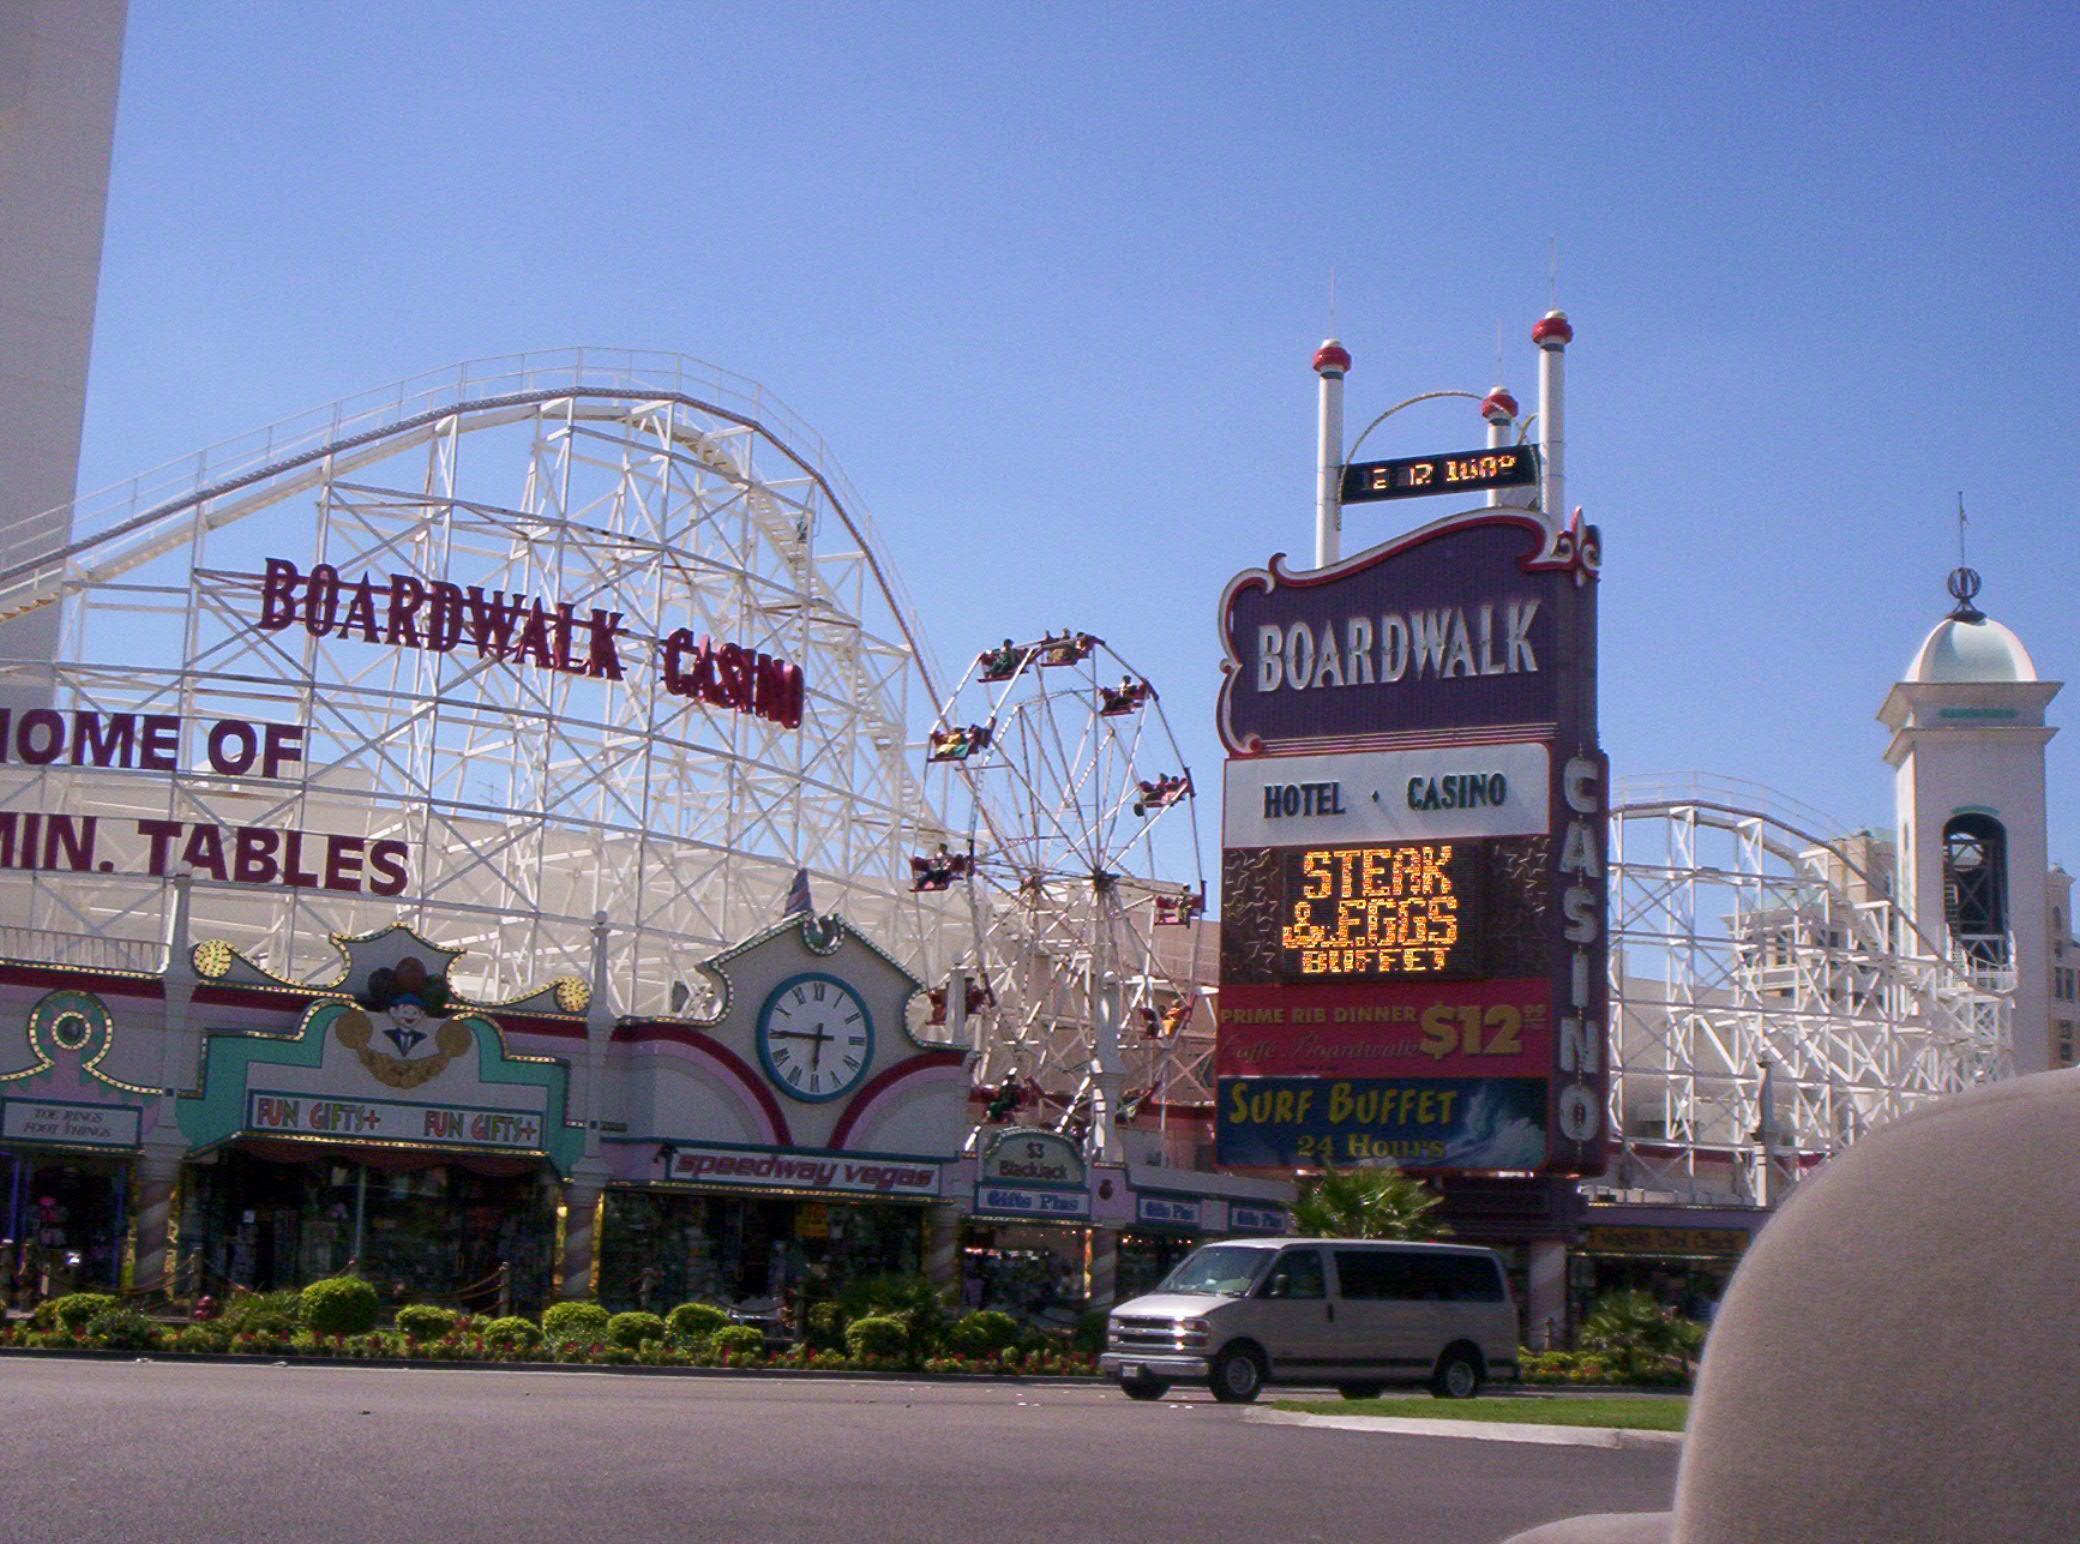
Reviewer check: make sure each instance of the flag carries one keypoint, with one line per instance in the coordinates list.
(798, 895)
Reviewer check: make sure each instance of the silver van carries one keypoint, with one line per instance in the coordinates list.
(1351, 1313)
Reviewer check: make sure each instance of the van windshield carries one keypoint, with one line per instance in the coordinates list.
(1219, 1270)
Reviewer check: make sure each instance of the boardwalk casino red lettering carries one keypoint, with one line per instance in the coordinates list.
(406, 612)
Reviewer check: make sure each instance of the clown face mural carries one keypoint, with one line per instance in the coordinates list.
(399, 1027)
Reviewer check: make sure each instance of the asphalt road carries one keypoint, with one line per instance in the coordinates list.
(131, 1451)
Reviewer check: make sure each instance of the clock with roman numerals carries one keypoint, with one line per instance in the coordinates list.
(815, 1037)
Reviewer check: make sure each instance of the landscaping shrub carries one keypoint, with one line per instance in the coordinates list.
(199, 1337)
(72, 1312)
(339, 1305)
(512, 1333)
(575, 1321)
(984, 1332)
(738, 1341)
(1089, 1334)
(632, 1329)
(261, 1313)
(824, 1326)
(1637, 1335)
(117, 1328)
(691, 1322)
(877, 1335)
(425, 1321)
(911, 1301)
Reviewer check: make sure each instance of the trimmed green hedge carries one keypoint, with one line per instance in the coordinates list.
(738, 1340)
(75, 1310)
(117, 1328)
(513, 1333)
(575, 1321)
(984, 1332)
(340, 1305)
(877, 1335)
(425, 1321)
(632, 1329)
(690, 1322)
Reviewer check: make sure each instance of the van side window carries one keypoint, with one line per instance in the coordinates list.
(1366, 1273)
(1298, 1273)
(1410, 1277)
(1474, 1279)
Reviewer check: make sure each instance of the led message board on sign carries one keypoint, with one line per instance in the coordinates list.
(1458, 471)
(1378, 911)
(1440, 911)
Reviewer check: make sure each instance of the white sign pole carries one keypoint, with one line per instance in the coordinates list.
(1331, 362)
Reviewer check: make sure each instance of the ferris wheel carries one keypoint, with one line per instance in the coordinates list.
(1073, 831)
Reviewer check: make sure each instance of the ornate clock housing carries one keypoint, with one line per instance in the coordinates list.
(815, 1037)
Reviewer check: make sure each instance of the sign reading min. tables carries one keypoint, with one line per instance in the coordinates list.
(1412, 876)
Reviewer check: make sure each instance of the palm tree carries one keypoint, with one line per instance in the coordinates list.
(1368, 1203)
(1643, 1336)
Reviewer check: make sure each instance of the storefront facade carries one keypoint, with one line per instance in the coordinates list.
(216, 1127)
(1681, 1256)
(800, 1137)
(74, 1114)
(1048, 1234)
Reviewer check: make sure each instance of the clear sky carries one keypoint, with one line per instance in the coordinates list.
(1048, 279)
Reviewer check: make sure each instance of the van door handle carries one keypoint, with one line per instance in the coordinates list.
(1331, 1309)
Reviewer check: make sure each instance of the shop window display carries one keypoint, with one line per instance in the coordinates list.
(660, 1250)
(435, 1231)
(1033, 1273)
(62, 1221)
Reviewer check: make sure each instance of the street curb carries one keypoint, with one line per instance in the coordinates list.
(1477, 1431)
(421, 1364)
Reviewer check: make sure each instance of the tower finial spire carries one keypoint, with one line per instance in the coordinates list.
(1964, 580)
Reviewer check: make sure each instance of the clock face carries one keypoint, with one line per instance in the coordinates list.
(815, 1037)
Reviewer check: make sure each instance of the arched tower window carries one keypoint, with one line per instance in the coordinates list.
(1975, 886)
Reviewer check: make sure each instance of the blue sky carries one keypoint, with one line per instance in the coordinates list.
(1048, 278)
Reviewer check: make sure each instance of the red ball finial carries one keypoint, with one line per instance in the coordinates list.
(1332, 358)
(1498, 406)
(1552, 331)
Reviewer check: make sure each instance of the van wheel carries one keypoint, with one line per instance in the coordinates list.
(1144, 1388)
(1238, 1376)
(1360, 1390)
(1458, 1376)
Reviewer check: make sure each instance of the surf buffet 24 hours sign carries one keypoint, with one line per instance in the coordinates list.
(1412, 874)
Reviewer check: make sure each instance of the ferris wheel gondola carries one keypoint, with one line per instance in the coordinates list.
(1073, 831)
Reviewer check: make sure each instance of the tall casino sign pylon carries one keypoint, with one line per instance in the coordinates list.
(1413, 926)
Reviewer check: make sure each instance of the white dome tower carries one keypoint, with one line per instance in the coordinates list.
(1968, 737)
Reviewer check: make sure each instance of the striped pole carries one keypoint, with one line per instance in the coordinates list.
(158, 1178)
(1104, 1268)
(581, 1202)
(942, 1258)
